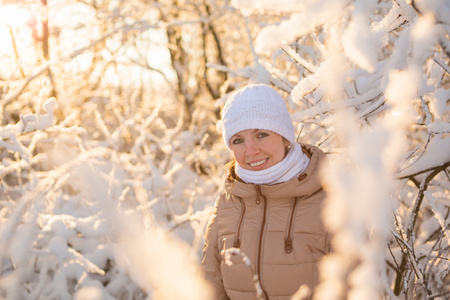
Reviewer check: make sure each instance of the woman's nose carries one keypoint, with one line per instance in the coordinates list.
(251, 148)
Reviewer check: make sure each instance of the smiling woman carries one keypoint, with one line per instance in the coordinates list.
(270, 209)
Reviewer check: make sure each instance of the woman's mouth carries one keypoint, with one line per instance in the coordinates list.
(258, 163)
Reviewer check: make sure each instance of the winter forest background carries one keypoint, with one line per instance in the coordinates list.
(111, 160)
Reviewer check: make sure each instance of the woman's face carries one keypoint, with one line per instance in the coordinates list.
(258, 149)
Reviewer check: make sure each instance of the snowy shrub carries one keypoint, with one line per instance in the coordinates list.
(111, 162)
(90, 218)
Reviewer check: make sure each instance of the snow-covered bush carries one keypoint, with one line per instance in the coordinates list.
(107, 218)
(108, 171)
(111, 161)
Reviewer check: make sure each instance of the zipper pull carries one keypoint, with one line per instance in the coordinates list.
(237, 243)
(288, 245)
(258, 194)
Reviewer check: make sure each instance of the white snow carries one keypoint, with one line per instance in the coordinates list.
(436, 154)
(108, 198)
(318, 13)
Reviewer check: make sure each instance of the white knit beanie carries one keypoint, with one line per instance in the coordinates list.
(256, 107)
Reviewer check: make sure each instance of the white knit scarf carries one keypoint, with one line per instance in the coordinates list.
(291, 166)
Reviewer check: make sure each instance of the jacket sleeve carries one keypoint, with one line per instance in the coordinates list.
(212, 258)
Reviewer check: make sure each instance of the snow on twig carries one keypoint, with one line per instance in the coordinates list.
(231, 252)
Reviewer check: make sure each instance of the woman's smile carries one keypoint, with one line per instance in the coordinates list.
(259, 164)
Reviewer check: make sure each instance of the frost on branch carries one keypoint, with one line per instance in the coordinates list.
(230, 256)
(68, 199)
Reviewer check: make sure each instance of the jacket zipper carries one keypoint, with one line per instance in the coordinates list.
(237, 241)
(288, 239)
(259, 197)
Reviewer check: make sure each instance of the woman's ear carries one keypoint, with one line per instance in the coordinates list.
(286, 142)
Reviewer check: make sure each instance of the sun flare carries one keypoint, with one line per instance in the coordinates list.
(16, 26)
(14, 15)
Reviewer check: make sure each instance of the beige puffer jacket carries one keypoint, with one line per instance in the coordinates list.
(277, 226)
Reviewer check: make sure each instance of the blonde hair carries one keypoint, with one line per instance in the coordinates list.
(230, 170)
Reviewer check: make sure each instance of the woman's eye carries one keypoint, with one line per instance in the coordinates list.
(262, 134)
(237, 141)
